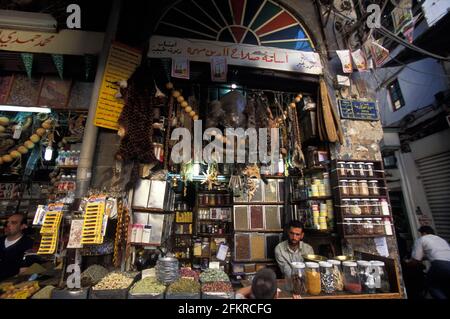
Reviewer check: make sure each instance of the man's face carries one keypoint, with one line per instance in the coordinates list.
(14, 226)
(295, 235)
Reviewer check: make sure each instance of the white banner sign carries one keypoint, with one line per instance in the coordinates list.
(236, 54)
(71, 42)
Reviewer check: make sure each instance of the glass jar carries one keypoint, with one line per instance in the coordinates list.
(346, 209)
(367, 283)
(354, 206)
(337, 274)
(343, 187)
(375, 206)
(365, 206)
(380, 276)
(212, 200)
(352, 281)
(351, 169)
(359, 169)
(298, 278)
(368, 226)
(348, 226)
(313, 285)
(341, 169)
(363, 188)
(369, 169)
(353, 188)
(373, 188)
(326, 278)
(358, 226)
(378, 227)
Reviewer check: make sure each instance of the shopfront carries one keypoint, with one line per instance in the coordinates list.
(229, 128)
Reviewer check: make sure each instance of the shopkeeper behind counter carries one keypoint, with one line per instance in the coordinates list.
(293, 249)
(13, 246)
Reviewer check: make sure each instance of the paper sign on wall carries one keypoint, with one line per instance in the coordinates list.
(346, 60)
(121, 63)
(219, 69)
(180, 68)
(382, 247)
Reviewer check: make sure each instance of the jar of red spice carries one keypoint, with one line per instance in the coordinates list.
(352, 282)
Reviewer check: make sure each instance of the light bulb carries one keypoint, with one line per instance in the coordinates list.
(196, 169)
(48, 153)
(233, 86)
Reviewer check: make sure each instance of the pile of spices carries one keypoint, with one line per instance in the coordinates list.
(211, 275)
(353, 287)
(240, 218)
(184, 285)
(272, 217)
(187, 272)
(92, 275)
(218, 286)
(148, 285)
(256, 217)
(257, 246)
(114, 281)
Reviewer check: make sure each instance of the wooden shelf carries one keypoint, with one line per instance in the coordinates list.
(254, 261)
(215, 206)
(214, 220)
(258, 203)
(365, 236)
(365, 178)
(352, 296)
(259, 230)
(313, 170)
(363, 197)
(367, 216)
(145, 244)
(217, 191)
(183, 223)
(273, 177)
(151, 210)
(214, 235)
(312, 198)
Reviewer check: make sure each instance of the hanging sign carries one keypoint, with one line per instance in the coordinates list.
(358, 110)
(346, 60)
(180, 68)
(379, 53)
(121, 63)
(71, 42)
(219, 69)
(236, 54)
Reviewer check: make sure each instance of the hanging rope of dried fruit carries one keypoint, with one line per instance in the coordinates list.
(298, 158)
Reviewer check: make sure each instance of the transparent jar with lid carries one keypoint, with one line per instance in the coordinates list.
(375, 206)
(352, 282)
(337, 274)
(343, 187)
(346, 208)
(369, 169)
(367, 282)
(378, 227)
(363, 188)
(326, 278)
(373, 188)
(358, 226)
(368, 226)
(353, 188)
(365, 206)
(359, 169)
(380, 276)
(348, 226)
(313, 285)
(298, 278)
(341, 169)
(351, 169)
(355, 206)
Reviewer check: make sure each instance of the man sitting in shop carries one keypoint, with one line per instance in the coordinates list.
(13, 246)
(437, 251)
(264, 286)
(293, 249)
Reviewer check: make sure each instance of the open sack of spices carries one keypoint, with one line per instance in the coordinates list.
(147, 288)
(213, 275)
(92, 275)
(217, 290)
(114, 286)
(184, 288)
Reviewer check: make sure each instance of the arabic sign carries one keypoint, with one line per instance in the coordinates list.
(358, 110)
(236, 54)
(121, 63)
(64, 42)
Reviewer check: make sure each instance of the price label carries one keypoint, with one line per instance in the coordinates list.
(17, 132)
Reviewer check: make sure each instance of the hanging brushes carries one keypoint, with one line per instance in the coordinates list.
(27, 59)
(58, 60)
(329, 124)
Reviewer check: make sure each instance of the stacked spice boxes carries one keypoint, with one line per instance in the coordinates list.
(258, 226)
(361, 198)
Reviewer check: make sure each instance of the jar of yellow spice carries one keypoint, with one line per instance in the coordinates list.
(313, 286)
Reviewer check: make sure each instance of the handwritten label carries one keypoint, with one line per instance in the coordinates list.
(358, 110)
(63, 42)
(121, 63)
(236, 54)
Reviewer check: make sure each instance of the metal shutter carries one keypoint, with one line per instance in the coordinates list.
(435, 175)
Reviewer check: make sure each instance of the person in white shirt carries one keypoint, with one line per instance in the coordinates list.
(436, 250)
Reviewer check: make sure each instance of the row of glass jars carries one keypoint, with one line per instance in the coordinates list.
(362, 206)
(214, 199)
(364, 226)
(355, 169)
(359, 188)
(331, 276)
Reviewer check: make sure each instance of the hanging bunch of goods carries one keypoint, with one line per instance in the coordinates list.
(136, 122)
(329, 124)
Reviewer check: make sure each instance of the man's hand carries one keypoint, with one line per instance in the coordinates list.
(296, 297)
